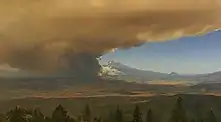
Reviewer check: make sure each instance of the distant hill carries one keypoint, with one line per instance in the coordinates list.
(212, 77)
(212, 87)
(127, 73)
(209, 82)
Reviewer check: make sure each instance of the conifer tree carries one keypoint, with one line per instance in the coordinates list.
(118, 115)
(59, 114)
(149, 116)
(178, 114)
(17, 115)
(137, 117)
(87, 114)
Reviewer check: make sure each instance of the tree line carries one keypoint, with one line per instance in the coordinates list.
(60, 114)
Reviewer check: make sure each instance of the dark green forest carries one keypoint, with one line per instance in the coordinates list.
(60, 114)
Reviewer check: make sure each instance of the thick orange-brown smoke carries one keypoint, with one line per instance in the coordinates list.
(35, 34)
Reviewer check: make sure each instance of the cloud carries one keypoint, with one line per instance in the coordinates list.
(35, 34)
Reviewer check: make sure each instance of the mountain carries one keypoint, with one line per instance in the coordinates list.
(124, 72)
(127, 73)
(120, 71)
(174, 74)
(212, 77)
(209, 82)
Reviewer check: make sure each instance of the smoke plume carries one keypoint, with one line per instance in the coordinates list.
(37, 35)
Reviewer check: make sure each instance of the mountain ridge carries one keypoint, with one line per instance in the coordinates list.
(135, 74)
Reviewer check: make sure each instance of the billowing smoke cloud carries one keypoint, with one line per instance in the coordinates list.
(83, 66)
(36, 34)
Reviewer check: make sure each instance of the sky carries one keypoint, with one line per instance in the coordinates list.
(189, 55)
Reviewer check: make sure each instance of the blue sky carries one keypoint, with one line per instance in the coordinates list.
(189, 55)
